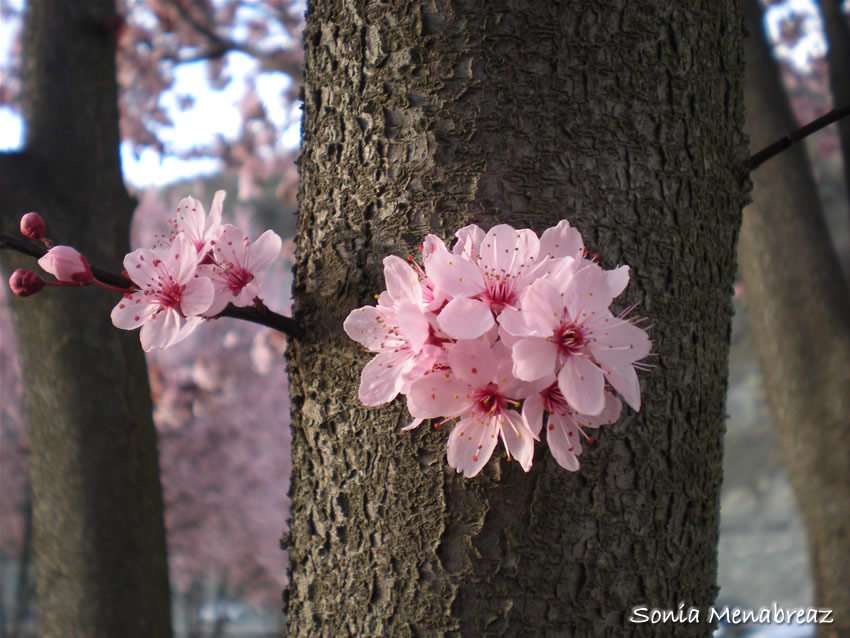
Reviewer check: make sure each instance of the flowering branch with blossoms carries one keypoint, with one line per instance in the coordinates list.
(504, 331)
(203, 270)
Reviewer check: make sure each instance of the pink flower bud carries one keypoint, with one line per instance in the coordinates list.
(25, 282)
(66, 264)
(33, 226)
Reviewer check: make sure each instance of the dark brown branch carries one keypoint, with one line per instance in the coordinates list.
(784, 143)
(255, 314)
(285, 61)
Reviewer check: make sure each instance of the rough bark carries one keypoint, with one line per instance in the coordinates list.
(799, 311)
(425, 115)
(97, 507)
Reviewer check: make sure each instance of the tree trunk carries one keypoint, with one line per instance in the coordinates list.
(97, 506)
(426, 115)
(838, 59)
(799, 311)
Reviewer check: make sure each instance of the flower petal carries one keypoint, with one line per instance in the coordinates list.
(518, 439)
(534, 358)
(382, 378)
(624, 380)
(132, 311)
(562, 437)
(413, 326)
(619, 342)
(438, 395)
(197, 296)
(471, 445)
(160, 330)
(582, 385)
(588, 292)
(402, 281)
(543, 308)
(468, 242)
(473, 362)
(263, 252)
(562, 240)
(609, 415)
(454, 275)
(369, 327)
(532, 411)
(465, 318)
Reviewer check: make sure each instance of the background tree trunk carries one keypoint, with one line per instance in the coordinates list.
(97, 506)
(799, 311)
(422, 117)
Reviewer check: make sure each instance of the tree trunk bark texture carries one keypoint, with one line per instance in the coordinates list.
(99, 535)
(426, 115)
(799, 310)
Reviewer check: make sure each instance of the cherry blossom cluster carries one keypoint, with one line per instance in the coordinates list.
(191, 275)
(501, 333)
(200, 268)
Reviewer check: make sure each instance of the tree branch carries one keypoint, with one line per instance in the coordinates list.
(285, 61)
(784, 143)
(258, 314)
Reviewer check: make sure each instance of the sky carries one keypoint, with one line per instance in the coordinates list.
(214, 112)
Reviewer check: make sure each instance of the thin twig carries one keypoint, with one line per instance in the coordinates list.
(804, 131)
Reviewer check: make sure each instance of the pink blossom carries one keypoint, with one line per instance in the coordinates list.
(568, 331)
(481, 390)
(482, 276)
(564, 429)
(171, 294)
(66, 264)
(193, 222)
(238, 267)
(398, 330)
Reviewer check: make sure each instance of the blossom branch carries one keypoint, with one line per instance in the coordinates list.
(784, 143)
(258, 314)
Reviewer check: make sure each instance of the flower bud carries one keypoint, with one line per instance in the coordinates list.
(66, 264)
(33, 226)
(25, 282)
